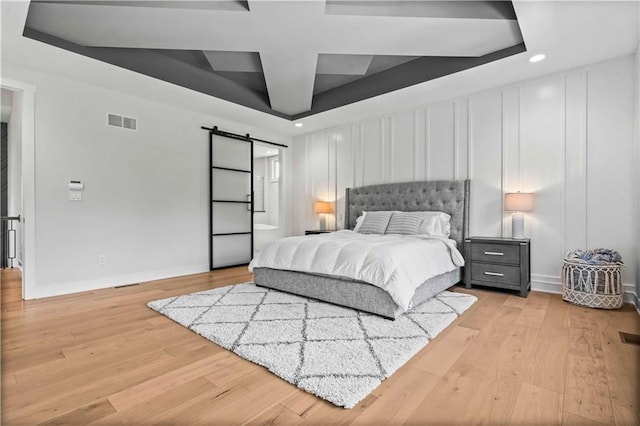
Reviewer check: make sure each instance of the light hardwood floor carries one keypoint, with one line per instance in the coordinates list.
(104, 357)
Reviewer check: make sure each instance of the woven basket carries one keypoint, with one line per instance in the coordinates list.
(593, 286)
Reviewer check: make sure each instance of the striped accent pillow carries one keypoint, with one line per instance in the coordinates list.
(375, 223)
(404, 223)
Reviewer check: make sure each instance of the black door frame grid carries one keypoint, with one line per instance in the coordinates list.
(214, 131)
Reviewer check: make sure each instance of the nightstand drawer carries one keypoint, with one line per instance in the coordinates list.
(495, 253)
(498, 262)
(492, 273)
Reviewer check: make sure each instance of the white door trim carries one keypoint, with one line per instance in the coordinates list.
(28, 214)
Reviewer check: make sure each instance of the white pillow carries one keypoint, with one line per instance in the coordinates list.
(436, 223)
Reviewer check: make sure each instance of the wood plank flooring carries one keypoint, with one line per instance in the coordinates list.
(104, 357)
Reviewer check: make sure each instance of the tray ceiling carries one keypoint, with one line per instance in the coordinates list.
(291, 59)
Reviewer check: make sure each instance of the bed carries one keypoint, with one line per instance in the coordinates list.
(451, 197)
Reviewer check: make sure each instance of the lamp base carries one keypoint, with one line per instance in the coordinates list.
(323, 222)
(517, 226)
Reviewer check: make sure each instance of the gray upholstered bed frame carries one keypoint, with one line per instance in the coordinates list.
(448, 196)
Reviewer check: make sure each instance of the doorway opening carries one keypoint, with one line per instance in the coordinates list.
(4, 159)
(11, 179)
(267, 181)
(17, 188)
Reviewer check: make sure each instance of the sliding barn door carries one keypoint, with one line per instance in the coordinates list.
(231, 201)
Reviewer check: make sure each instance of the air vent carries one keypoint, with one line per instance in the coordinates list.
(123, 122)
(129, 123)
(115, 120)
(126, 285)
(630, 338)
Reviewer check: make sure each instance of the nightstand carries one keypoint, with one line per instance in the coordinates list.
(317, 231)
(498, 262)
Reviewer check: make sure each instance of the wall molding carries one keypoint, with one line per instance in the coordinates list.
(456, 141)
(503, 159)
(520, 141)
(334, 160)
(362, 161)
(383, 145)
(586, 157)
(427, 143)
(469, 140)
(392, 158)
(540, 129)
(416, 161)
(564, 161)
(546, 283)
(308, 140)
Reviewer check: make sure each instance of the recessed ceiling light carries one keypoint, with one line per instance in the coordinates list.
(537, 58)
(298, 124)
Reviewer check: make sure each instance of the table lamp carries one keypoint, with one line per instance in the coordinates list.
(518, 202)
(323, 208)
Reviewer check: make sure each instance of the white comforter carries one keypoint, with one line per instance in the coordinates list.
(398, 264)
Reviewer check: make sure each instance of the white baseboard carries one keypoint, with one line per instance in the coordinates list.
(115, 281)
(551, 284)
(546, 283)
(636, 302)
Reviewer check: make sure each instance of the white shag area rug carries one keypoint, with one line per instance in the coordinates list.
(336, 353)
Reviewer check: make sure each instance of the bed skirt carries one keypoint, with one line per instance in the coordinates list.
(350, 293)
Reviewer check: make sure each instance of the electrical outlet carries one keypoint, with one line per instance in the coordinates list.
(75, 196)
(102, 259)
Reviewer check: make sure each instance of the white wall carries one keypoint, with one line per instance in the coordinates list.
(259, 167)
(272, 193)
(271, 214)
(567, 137)
(14, 170)
(145, 204)
(6, 101)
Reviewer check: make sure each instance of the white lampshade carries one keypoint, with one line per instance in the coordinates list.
(518, 202)
(323, 207)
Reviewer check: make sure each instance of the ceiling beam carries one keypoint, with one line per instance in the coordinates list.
(290, 77)
(300, 25)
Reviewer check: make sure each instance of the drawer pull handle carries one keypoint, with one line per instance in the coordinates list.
(493, 253)
(494, 274)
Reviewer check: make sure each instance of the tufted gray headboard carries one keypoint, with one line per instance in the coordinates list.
(449, 196)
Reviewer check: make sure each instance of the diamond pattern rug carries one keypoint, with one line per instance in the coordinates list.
(336, 353)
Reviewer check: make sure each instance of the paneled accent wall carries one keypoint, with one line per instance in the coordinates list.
(568, 138)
